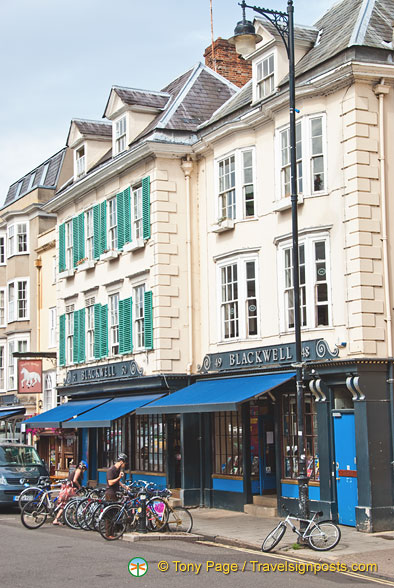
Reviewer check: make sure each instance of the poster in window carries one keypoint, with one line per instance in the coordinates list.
(29, 376)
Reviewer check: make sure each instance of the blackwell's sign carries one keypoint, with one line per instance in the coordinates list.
(264, 356)
(110, 371)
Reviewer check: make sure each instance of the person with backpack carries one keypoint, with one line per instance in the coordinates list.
(114, 476)
(73, 483)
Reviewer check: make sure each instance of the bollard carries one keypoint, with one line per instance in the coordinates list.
(141, 527)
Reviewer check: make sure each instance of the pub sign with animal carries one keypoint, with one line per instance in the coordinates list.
(29, 376)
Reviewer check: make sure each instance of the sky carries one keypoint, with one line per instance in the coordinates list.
(60, 58)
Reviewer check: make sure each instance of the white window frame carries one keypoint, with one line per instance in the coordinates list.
(69, 335)
(112, 224)
(14, 303)
(44, 174)
(17, 343)
(89, 234)
(3, 306)
(52, 327)
(69, 244)
(80, 161)
(49, 391)
(3, 249)
(139, 316)
(113, 308)
(32, 181)
(120, 135)
(236, 208)
(54, 269)
(2, 367)
(240, 261)
(305, 184)
(267, 61)
(308, 285)
(137, 213)
(14, 233)
(90, 330)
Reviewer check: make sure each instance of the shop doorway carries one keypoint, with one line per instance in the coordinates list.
(174, 455)
(262, 437)
(346, 467)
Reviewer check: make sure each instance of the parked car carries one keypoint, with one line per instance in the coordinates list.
(20, 465)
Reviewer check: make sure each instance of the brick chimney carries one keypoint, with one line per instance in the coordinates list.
(228, 63)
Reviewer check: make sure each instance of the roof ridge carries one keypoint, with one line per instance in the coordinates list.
(361, 26)
(195, 72)
(156, 92)
(91, 120)
(226, 104)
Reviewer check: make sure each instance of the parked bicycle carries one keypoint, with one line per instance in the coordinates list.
(33, 492)
(321, 536)
(179, 518)
(35, 512)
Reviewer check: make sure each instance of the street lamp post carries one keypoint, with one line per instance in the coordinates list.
(245, 40)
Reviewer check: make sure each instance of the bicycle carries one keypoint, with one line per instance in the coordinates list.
(321, 536)
(33, 492)
(35, 512)
(179, 518)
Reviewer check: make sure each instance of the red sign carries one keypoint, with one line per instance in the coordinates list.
(29, 376)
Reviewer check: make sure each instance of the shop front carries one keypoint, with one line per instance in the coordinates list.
(238, 425)
(100, 412)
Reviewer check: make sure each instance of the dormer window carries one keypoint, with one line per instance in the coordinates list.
(80, 161)
(120, 135)
(265, 77)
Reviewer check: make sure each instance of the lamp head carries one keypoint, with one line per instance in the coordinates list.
(245, 37)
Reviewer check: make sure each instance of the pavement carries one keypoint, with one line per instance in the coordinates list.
(248, 532)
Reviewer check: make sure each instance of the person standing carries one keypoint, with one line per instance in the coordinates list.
(74, 481)
(114, 476)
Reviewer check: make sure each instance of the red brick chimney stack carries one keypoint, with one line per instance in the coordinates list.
(228, 63)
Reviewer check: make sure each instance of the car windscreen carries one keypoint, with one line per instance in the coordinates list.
(19, 456)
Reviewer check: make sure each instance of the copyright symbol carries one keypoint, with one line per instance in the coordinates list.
(163, 566)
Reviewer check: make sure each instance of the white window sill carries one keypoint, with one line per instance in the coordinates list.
(108, 255)
(134, 245)
(86, 265)
(67, 274)
(225, 225)
(285, 203)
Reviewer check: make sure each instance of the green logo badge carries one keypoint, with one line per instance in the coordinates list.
(138, 567)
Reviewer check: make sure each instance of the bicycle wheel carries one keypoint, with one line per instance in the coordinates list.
(156, 514)
(324, 536)
(274, 537)
(89, 512)
(69, 513)
(179, 519)
(29, 494)
(82, 508)
(112, 523)
(33, 515)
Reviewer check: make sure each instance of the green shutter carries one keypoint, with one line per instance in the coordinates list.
(103, 227)
(96, 231)
(97, 331)
(75, 240)
(127, 215)
(146, 208)
(62, 339)
(125, 326)
(81, 236)
(104, 330)
(62, 247)
(148, 320)
(121, 219)
(76, 337)
(81, 343)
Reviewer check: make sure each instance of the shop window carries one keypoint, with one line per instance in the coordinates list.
(342, 398)
(290, 437)
(112, 441)
(150, 443)
(228, 444)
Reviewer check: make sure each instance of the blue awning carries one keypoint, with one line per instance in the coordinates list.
(102, 416)
(11, 412)
(64, 412)
(216, 394)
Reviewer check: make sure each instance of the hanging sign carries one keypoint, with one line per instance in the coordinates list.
(29, 376)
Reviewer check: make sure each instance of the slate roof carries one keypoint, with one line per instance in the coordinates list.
(49, 179)
(194, 97)
(133, 96)
(350, 23)
(93, 127)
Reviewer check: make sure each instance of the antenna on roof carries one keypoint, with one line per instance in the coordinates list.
(212, 39)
